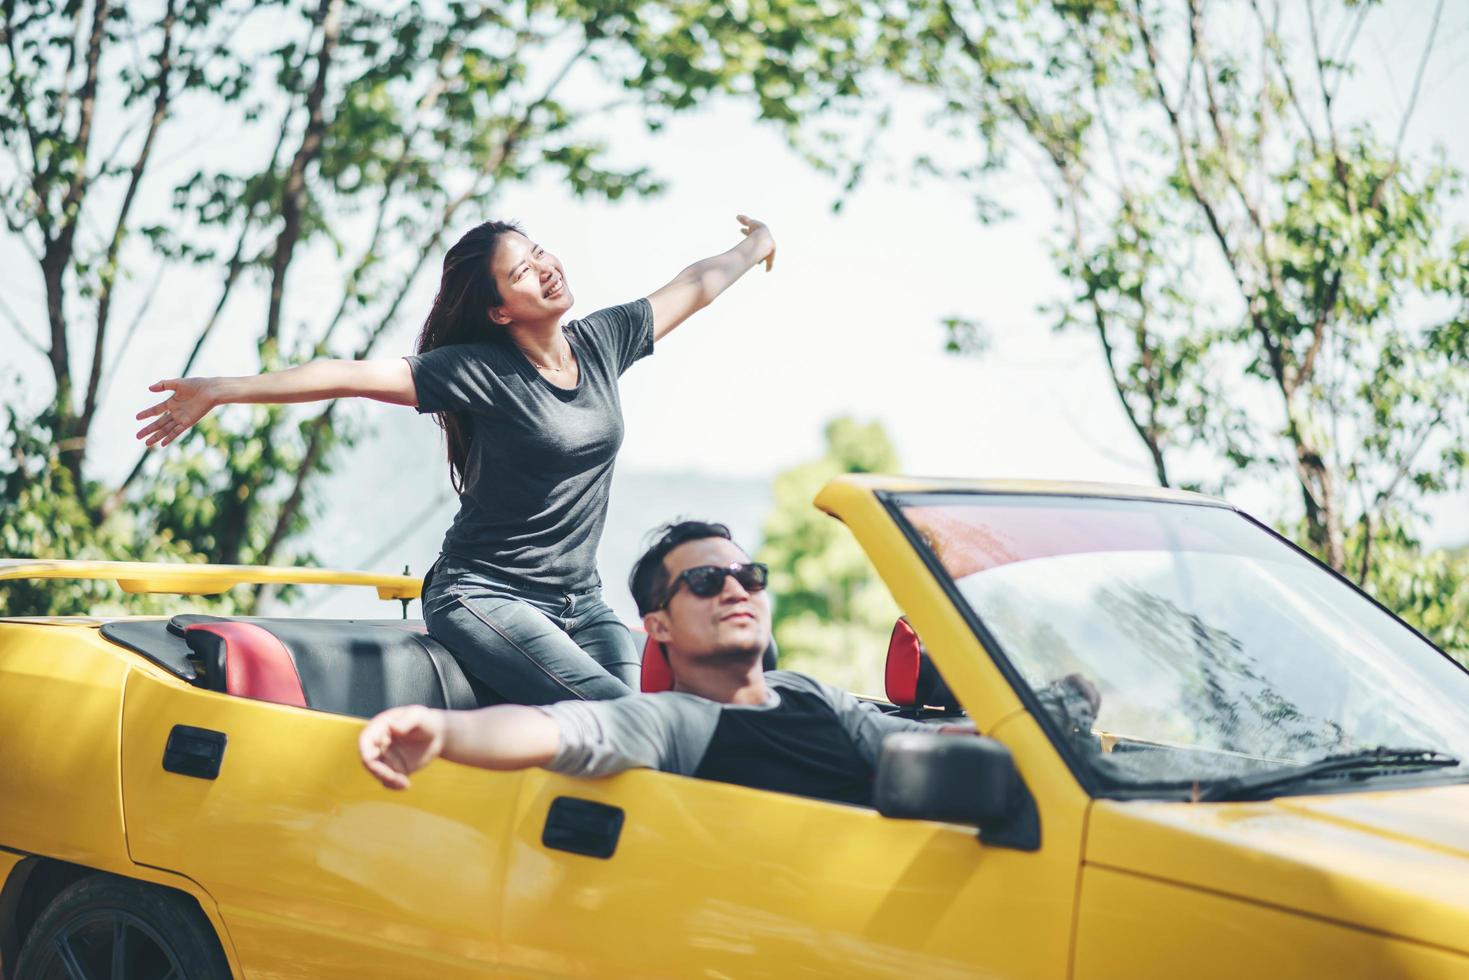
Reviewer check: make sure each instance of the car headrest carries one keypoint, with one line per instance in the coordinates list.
(658, 676)
(911, 679)
(246, 660)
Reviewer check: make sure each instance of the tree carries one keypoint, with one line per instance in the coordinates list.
(1274, 288)
(833, 614)
(1430, 591)
(366, 134)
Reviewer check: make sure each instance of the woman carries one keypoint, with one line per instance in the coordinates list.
(530, 411)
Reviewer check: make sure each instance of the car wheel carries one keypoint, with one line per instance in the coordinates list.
(107, 928)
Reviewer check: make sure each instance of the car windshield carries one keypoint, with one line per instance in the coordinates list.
(1217, 649)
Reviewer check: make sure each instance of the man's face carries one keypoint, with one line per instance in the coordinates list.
(732, 623)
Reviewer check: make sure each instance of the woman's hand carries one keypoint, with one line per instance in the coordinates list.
(759, 233)
(701, 283)
(400, 741)
(192, 399)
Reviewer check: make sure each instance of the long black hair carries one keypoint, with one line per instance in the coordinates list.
(461, 315)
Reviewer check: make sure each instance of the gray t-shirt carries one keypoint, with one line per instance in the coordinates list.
(671, 731)
(539, 471)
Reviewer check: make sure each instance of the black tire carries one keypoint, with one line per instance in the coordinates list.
(108, 928)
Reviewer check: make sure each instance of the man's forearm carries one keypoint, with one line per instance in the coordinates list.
(506, 736)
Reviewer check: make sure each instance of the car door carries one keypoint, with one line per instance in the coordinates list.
(708, 879)
(318, 871)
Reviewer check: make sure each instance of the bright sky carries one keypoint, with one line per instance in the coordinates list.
(848, 323)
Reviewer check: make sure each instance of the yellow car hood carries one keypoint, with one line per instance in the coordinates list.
(1394, 862)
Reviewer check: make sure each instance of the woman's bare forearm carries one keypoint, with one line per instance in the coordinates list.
(718, 272)
(191, 399)
(383, 380)
(701, 283)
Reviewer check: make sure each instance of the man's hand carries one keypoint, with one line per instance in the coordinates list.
(757, 230)
(192, 399)
(400, 741)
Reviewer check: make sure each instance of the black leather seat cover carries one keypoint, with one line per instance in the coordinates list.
(348, 667)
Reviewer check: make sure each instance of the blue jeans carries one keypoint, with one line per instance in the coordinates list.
(529, 645)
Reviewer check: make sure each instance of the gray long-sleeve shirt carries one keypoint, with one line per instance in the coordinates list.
(672, 731)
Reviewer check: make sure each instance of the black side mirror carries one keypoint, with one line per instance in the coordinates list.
(967, 779)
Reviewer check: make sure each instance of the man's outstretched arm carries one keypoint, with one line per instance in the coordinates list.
(401, 741)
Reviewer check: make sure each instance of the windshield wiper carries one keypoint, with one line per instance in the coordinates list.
(1353, 765)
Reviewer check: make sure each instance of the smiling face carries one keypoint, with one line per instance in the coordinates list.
(531, 281)
(732, 624)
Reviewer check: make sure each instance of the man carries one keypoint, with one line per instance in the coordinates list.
(704, 602)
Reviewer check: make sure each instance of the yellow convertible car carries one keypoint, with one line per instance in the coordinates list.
(1202, 755)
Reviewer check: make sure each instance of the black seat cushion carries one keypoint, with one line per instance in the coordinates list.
(349, 667)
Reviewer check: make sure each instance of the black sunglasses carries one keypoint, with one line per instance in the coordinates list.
(708, 580)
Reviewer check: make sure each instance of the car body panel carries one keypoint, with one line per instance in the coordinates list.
(62, 707)
(1395, 862)
(318, 870)
(1142, 928)
(61, 778)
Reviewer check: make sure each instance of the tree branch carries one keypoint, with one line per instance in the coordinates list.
(1343, 175)
(293, 194)
(22, 104)
(1216, 226)
(1272, 44)
(19, 327)
(1226, 144)
(161, 101)
(1365, 566)
(57, 254)
(1417, 81)
(71, 203)
(1405, 464)
(1314, 479)
(1384, 496)
(390, 181)
(1149, 433)
(1318, 328)
(1352, 30)
(232, 274)
(63, 99)
(127, 337)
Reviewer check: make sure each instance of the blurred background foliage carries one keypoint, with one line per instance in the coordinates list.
(406, 119)
(832, 614)
(1275, 289)
(1274, 286)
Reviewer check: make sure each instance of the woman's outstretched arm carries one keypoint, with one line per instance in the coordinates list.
(696, 287)
(386, 380)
